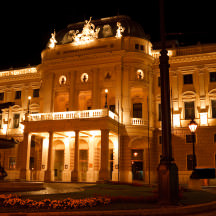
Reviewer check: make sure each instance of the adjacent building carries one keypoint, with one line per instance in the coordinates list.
(91, 110)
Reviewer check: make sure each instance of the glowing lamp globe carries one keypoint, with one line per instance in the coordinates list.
(192, 126)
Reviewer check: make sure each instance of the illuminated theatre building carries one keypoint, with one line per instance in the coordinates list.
(94, 112)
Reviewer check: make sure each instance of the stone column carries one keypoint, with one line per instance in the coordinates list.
(49, 174)
(104, 168)
(75, 172)
(25, 147)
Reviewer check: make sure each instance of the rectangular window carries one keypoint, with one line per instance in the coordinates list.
(215, 138)
(160, 139)
(159, 113)
(213, 106)
(189, 162)
(212, 76)
(189, 138)
(159, 82)
(112, 108)
(31, 163)
(188, 79)
(0, 120)
(215, 160)
(136, 46)
(18, 95)
(36, 93)
(12, 163)
(189, 110)
(137, 110)
(1, 96)
(16, 120)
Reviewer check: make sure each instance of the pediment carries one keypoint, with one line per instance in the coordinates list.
(16, 108)
(212, 93)
(189, 94)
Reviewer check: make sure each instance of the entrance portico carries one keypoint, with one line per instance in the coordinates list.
(85, 144)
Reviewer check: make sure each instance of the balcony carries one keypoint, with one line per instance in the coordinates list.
(139, 121)
(99, 113)
(84, 114)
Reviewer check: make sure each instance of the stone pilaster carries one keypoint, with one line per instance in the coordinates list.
(25, 157)
(104, 168)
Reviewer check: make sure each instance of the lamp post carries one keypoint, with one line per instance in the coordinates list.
(106, 92)
(193, 126)
(167, 169)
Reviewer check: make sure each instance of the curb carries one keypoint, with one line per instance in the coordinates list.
(192, 209)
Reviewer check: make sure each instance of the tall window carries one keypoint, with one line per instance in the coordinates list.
(159, 113)
(0, 120)
(188, 79)
(159, 82)
(1, 96)
(189, 110)
(112, 108)
(212, 76)
(137, 110)
(18, 95)
(16, 120)
(213, 104)
(36, 93)
(12, 163)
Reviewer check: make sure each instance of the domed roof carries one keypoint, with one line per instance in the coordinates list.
(108, 27)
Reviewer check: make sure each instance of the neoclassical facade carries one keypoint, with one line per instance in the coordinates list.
(91, 110)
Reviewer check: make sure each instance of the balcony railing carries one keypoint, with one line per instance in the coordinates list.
(99, 113)
(138, 121)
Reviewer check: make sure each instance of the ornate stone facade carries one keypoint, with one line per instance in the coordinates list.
(68, 135)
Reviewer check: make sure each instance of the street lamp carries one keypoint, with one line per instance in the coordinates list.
(106, 92)
(193, 126)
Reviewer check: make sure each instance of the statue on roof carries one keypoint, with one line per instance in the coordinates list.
(119, 30)
(53, 40)
(89, 33)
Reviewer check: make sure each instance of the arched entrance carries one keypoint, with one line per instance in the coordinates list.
(139, 157)
(58, 159)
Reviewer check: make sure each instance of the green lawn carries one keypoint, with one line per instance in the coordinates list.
(108, 190)
(126, 192)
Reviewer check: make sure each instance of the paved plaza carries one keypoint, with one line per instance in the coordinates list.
(57, 188)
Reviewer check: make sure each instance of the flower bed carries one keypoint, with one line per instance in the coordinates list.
(12, 201)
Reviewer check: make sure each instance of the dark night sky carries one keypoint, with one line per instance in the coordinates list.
(26, 27)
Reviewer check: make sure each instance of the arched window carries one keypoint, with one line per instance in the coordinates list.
(84, 77)
(140, 74)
